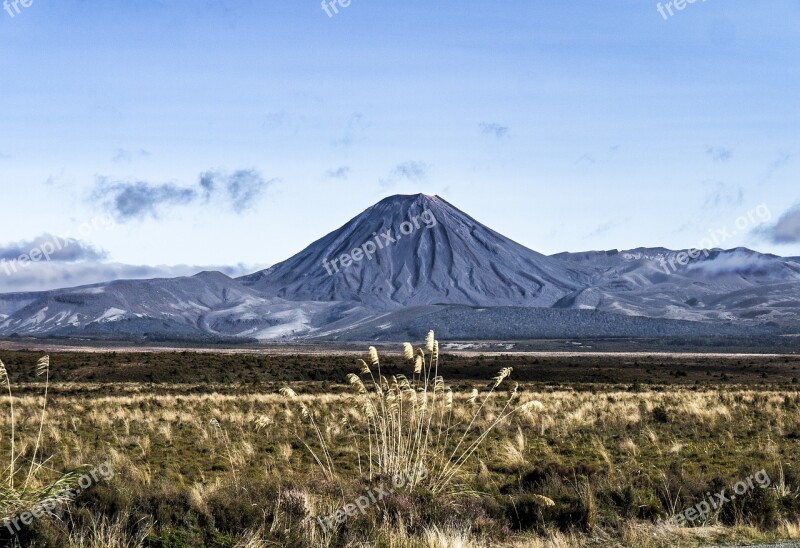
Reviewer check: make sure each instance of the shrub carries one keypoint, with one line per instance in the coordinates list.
(660, 415)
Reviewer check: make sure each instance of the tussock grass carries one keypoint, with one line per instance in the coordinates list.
(23, 484)
(573, 465)
(412, 424)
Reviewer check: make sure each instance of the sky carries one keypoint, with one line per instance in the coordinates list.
(168, 137)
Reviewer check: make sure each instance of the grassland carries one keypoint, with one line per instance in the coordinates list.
(206, 452)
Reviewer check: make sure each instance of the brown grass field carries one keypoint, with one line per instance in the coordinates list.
(588, 449)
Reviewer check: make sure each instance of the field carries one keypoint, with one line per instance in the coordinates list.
(594, 450)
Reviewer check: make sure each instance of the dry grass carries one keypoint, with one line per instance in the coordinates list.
(415, 427)
(24, 482)
(192, 468)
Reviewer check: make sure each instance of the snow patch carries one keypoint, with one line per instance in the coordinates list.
(92, 291)
(296, 323)
(111, 315)
(37, 319)
(58, 319)
(478, 346)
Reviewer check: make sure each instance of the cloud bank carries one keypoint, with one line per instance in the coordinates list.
(129, 201)
(787, 229)
(64, 250)
(45, 276)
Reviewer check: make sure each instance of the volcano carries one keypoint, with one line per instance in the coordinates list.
(414, 262)
(425, 252)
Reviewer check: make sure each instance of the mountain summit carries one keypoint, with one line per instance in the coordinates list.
(411, 250)
(412, 263)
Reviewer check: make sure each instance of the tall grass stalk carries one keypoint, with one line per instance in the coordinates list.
(42, 368)
(7, 381)
(409, 425)
(14, 500)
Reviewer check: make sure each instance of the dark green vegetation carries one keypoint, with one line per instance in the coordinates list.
(223, 370)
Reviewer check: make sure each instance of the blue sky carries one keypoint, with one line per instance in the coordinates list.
(234, 133)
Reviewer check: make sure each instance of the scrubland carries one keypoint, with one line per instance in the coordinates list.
(226, 461)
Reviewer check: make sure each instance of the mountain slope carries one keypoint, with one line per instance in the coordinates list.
(207, 305)
(737, 285)
(178, 303)
(455, 322)
(447, 258)
(436, 267)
